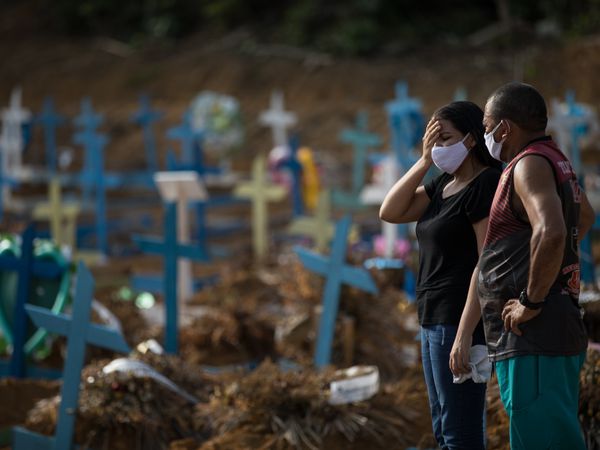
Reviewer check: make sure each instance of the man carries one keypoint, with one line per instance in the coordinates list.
(529, 274)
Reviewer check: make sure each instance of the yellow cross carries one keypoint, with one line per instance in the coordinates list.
(260, 192)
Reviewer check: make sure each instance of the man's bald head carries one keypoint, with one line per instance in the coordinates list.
(520, 103)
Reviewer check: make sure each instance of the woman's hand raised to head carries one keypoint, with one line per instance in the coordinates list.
(432, 133)
(407, 200)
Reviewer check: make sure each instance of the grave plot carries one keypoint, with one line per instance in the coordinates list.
(254, 358)
(291, 409)
(124, 411)
(40, 417)
(22, 396)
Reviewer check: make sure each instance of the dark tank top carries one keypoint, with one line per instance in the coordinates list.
(504, 268)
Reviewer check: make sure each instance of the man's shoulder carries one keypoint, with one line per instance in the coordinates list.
(546, 147)
(550, 164)
(533, 163)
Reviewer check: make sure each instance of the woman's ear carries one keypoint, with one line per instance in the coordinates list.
(470, 142)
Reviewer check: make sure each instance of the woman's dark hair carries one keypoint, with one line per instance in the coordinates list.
(467, 117)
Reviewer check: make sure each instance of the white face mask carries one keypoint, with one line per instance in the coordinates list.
(493, 147)
(449, 158)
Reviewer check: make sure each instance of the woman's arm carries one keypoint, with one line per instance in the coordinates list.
(406, 201)
(459, 355)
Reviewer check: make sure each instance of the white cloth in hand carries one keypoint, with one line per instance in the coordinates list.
(481, 366)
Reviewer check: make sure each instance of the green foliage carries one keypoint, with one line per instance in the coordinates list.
(576, 17)
(125, 19)
(358, 36)
(224, 12)
(587, 21)
(301, 22)
(348, 27)
(345, 28)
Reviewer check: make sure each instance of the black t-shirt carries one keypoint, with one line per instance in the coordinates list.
(448, 246)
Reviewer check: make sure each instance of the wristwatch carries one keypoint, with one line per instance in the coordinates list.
(524, 300)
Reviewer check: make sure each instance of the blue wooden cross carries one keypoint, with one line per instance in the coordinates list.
(337, 273)
(88, 119)
(191, 151)
(92, 179)
(192, 154)
(406, 123)
(171, 250)
(87, 123)
(90, 140)
(460, 94)
(27, 269)
(346, 200)
(193, 159)
(361, 140)
(100, 195)
(295, 167)
(50, 121)
(145, 117)
(79, 332)
(578, 129)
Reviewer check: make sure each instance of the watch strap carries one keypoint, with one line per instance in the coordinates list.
(524, 300)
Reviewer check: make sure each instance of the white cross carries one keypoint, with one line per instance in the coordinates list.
(182, 187)
(374, 194)
(562, 123)
(11, 137)
(278, 119)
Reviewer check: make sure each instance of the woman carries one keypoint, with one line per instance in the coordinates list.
(452, 216)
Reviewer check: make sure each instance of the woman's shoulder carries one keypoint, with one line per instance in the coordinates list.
(488, 176)
(442, 179)
(437, 183)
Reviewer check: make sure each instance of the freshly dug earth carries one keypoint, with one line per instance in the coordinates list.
(120, 411)
(589, 399)
(273, 409)
(19, 396)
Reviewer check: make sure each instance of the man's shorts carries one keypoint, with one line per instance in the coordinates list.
(541, 397)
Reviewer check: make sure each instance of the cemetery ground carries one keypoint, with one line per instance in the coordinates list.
(256, 316)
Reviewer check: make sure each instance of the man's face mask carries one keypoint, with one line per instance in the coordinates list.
(449, 158)
(495, 148)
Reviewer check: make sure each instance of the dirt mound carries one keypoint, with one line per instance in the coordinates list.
(19, 396)
(589, 399)
(280, 410)
(120, 411)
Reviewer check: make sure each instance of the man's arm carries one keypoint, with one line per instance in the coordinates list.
(535, 185)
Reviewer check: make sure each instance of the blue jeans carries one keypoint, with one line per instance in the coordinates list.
(457, 410)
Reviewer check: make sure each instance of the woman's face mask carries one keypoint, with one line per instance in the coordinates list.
(449, 158)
